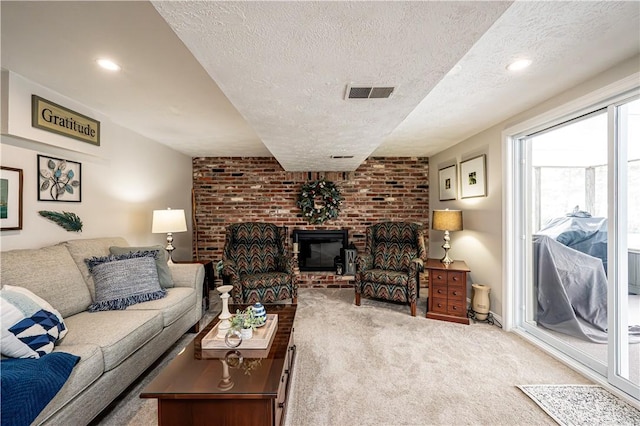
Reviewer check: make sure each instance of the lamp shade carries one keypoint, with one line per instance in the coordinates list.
(447, 220)
(165, 221)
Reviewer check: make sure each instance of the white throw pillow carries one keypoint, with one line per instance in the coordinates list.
(30, 325)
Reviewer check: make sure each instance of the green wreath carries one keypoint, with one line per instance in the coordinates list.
(319, 201)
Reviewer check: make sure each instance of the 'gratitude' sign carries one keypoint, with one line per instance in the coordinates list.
(52, 117)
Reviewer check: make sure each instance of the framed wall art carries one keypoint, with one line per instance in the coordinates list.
(10, 199)
(473, 181)
(59, 180)
(448, 179)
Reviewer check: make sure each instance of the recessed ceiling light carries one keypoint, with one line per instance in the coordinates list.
(108, 64)
(518, 65)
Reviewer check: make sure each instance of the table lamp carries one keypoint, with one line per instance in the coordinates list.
(446, 220)
(168, 221)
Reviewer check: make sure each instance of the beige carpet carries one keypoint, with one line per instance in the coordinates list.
(377, 365)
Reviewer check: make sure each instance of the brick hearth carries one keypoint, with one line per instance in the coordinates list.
(232, 189)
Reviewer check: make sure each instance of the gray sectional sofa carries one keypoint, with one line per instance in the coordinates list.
(115, 346)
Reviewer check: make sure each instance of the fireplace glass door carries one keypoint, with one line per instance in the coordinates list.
(320, 250)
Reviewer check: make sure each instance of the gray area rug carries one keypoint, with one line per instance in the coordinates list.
(377, 365)
(582, 405)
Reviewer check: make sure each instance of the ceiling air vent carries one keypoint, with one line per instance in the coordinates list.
(368, 92)
(337, 157)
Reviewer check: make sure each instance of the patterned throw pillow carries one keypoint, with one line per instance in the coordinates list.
(30, 325)
(161, 256)
(123, 280)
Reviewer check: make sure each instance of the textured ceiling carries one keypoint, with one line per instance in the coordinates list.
(285, 66)
(268, 78)
(568, 42)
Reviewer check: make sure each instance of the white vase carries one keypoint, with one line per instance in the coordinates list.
(247, 333)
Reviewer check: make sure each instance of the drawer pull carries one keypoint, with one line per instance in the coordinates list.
(455, 293)
(455, 308)
(455, 278)
(281, 405)
(439, 305)
(439, 291)
(439, 277)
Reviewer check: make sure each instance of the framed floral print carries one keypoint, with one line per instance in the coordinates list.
(59, 180)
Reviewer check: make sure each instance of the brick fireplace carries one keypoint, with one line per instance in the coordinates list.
(232, 189)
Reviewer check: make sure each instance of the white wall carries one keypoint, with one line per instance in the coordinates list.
(123, 180)
(480, 243)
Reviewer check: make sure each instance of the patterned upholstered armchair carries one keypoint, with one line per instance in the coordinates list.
(394, 255)
(256, 263)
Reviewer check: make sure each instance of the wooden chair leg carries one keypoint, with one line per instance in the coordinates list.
(413, 308)
(357, 299)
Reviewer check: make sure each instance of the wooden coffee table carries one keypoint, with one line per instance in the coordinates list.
(211, 387)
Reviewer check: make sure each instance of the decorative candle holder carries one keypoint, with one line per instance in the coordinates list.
(296, 267)
(225, 324)
(225, 383)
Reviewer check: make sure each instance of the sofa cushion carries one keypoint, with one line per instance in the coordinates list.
(118, 333)
(178, 301)
(124, 279)
(49, 272)
(30, 325)
(162, 257)
(85, 248)
(87, 371)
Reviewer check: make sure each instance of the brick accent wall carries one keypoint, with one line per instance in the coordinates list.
(227, 190)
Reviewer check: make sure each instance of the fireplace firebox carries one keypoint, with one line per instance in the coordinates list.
(320, 249)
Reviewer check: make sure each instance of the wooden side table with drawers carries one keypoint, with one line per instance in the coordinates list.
(447, 291)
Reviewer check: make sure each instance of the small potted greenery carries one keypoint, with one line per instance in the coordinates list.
(246, 322)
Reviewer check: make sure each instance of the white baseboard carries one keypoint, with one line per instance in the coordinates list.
(496, 317)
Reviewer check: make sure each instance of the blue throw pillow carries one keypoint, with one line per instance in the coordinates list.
(123, 280)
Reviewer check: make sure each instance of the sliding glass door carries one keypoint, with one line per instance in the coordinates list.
(624, 291)
(577, 196)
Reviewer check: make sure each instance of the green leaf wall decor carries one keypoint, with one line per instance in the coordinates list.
(69, 221)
